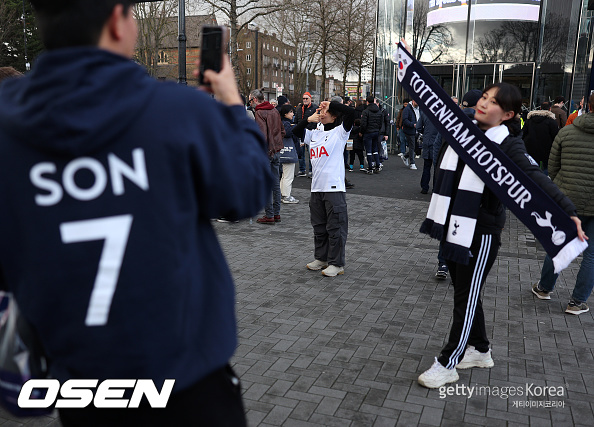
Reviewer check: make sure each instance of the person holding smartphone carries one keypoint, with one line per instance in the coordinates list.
(110, 183)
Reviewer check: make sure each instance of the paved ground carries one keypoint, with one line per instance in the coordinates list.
(346, 351)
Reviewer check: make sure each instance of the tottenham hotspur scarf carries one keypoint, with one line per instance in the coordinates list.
(486, 164)
(465, 205)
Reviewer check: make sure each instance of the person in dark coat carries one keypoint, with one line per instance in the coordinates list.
(430, 135)
(559, 112)
(371, 124)
(400, 130)
(410, 116)
(384, 130)
(540, 131)
(357, 147)
(359, 109)
(303, 111)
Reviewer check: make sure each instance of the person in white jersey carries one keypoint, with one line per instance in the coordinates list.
(327, 205)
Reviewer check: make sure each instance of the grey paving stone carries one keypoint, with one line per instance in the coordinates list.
(347, 351)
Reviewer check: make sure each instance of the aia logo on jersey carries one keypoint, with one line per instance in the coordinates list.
(318, 152)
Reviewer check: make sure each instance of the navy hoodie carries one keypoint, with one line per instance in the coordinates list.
(109, 180)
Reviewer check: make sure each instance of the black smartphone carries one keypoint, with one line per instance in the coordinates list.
(211, 51)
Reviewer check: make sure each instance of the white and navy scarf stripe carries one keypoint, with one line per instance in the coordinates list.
(461, 219)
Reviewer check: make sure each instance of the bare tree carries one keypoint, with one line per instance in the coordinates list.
(517, 41)
(325, 28)
(434, 40)
(153, 28)
(492, 47)
(347, 42)
(364, 41)
(293, 25)
(244, 12)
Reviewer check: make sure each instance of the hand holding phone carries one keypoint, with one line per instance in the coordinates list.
(211, 51)
(214, 71)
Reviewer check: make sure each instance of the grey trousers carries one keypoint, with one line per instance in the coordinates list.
(329, 220)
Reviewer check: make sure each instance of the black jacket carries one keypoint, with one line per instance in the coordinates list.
(357, 140)
(359, 111)
(491, 216)
(371, 119)
(303, 113)
(540, 131)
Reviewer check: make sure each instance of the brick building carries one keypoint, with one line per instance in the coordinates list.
(264, 61)
(167, 51)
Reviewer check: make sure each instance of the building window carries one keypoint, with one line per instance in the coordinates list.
(248, 57)
(285, 51)
(249, 84)
(248, 71)
(275, 73)
(265, 84)
(163, 58)
(248, 45)
(267, 46)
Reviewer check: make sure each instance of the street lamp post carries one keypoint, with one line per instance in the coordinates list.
(181, 54)
(27, 65)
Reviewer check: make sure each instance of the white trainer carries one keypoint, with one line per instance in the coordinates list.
(289, 200)
(437, 375)
(332, 271)
(317, 265)
(475, 359)
(413, 167)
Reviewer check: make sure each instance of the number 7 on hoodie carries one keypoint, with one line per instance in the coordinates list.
(115, 231)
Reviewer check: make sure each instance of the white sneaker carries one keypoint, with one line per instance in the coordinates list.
(400, 154)
(417, 156)
(333, 271)
(475, 359)
(290, 200)
(317, 265)
(437, 375)
(413, 167)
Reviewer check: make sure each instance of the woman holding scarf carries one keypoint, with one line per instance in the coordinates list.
(468, 345)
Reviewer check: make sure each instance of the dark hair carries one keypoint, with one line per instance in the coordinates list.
(74, 22)
(285, 109)
(370, 99)
(337, 115)
(591, 102)
(357, 122)
(559, 99)
(545, 106)
(405, 101)
(509, 98)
